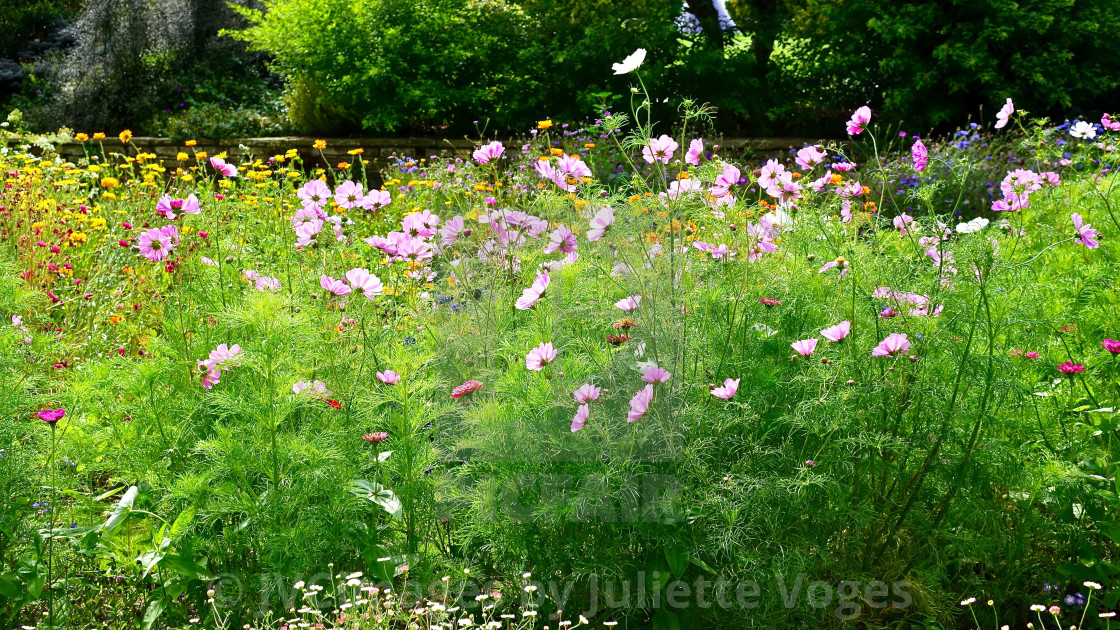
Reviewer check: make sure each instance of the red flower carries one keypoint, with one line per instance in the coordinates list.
(334, 403)
(466, 388)
(374, 438)
(1071, 368)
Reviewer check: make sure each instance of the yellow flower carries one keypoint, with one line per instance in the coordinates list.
(191, 143)
(201, 155)
(182, 157)
(125, 136)
(356, 151)
(81, 137)
(109, 182)
(78, 237)
(556, 152)
(544, 124)
(98, 136)
(320, 144)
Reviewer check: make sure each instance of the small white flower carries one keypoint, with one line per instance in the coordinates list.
(975, 225)
(632, 62)
(1082, 129)
(1093, 585)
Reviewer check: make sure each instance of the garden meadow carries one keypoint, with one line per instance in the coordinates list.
(595, 376)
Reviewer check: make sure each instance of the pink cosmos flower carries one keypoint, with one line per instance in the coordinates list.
(1004, 114)
(376, 199)
(1085, 234)
(696, 151)
(1109, 124)
(840, 263)
(659, 149)
(226, 355)
(1070, 367)
(901, 221)
(727, 391)
(772, 174)
(540, 356)
(155, 245)
(468, 387)
(893, 345)
(389, 377)
(314, 194)
(561, 239)
(489, 152)
(314, 388)
(639, 404)
(530, 296)
(266, 283)
(223, 167)
(629, 303)
(837, 332)
(587, 393)
(167, 207)
(844, 167)
(809, 157)
(804, 347)
(920, 155)
(51, 416)
(597, 227)
(1112, 346)
(336, 287)
(680, 187)
(656, 374)
(580, 418)
(859, 121)
(451, 231)
(362, 280)
(349, 195)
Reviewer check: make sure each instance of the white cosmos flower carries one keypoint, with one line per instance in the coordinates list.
(975, 225)
(630, 63)
(1082, 129)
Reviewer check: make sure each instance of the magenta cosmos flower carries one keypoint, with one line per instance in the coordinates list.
(837, 332)
(639, 404)
(1112, 346)
(1004, 114)
(168, 207)
(489, 152)
(1069, 367)
(580, 418)
(894, 345)
(1086, 235)
(51, 416)
(530, 296)
(659, 149)
(155, 244)
(561, 240)
(920, 155)
(540, 356)
(730, 386)
(804, 347)
(859, 121)
(696, 151)
(586, 393)
(223, 167)
(656, 374)
(840, 263)
(629, 303)
(468, 387)
(389, 377)
(375, 437)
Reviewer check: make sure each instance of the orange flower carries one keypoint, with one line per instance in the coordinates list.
(98, 136)
(556, 152)
(115, 319)
(320, 144)
(191, 143)
(81, 137)
(125, 136)
(544, 124)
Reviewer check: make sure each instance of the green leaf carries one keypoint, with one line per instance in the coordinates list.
(186, 567)
(665, 620)
(10, 585)
(155, 609)
(1110, 529)
(121, 511)
(378, 494)
(677, 557)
